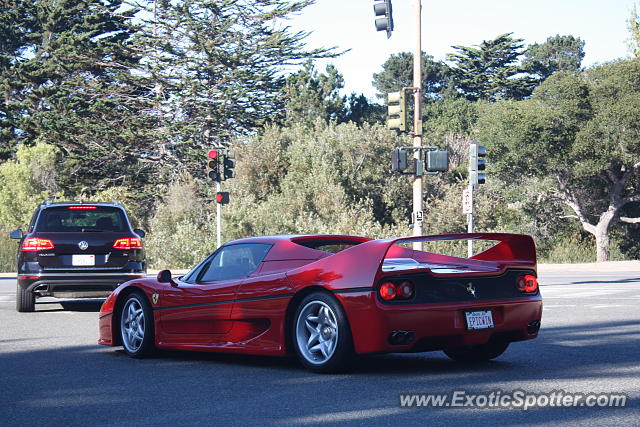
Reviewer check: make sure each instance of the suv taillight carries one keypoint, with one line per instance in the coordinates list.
(36, 244)
(128, 243)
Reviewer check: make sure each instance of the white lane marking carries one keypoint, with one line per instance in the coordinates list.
(361, 415)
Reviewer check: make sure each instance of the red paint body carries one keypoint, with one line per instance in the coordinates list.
(252, 314)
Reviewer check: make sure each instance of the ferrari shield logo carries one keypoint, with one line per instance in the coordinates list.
(154, 298)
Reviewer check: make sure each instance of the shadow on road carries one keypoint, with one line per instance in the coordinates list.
(86, 306)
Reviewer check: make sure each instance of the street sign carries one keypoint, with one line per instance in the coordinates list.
(467, 201)
(419, 216)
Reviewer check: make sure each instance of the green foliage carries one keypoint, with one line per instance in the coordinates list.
(28, 180)
(489, 71)
(580, 129)
(397, 72)
(311, 95)
(349, 190)
(558, 53)
(182, 228)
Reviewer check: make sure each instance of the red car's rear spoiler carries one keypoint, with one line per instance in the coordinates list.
(364, 263)
(509, 249)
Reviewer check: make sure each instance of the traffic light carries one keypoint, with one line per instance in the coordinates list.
(213, 165)
(228, 164)
(399, 161)
(397, 111)
(384, 11)
(477, 164)
(222, 197)
(437, 161)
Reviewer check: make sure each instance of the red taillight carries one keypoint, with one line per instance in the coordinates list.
(527, 283)
(388, 291)
(36, 244)
(82, 207)
(128, 243)
(405, 290)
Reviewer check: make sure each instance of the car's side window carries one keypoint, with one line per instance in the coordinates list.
(234, 262)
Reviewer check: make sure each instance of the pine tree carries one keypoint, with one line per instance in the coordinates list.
(490, 70)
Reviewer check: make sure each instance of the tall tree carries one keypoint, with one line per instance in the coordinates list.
(312, 95)
(558, 53)
(490, 70)
(218, 67)
(65, 79)
(397, 72)
(582, 131)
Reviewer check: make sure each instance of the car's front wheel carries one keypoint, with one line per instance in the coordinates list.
(136, 326)
(25, 300)
(477, 353)
(321, 334)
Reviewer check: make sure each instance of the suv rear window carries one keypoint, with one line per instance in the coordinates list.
(88, 218)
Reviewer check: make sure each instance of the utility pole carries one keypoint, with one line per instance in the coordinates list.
(417, 127)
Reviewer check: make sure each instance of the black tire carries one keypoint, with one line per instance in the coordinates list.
(25, 300)
(142, 323)
(477, 353)
(332, 333)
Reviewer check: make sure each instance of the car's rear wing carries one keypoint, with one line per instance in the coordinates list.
(364, 263)
(509, 249)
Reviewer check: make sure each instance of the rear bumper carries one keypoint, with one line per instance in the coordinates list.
(436, 326)
(75, 284)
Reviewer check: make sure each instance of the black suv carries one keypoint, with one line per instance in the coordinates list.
(76, 250)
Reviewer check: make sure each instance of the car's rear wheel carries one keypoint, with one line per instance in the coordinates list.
(25, 300)
(321, 334)
(136, 326)
(477, 353)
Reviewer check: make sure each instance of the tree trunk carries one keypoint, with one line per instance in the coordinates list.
(601, 233)
(602, 244)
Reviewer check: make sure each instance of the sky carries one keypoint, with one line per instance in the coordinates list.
(349, 24)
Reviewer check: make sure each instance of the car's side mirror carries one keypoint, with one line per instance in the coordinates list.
(164, 276)
(16, 234)
(139, 232)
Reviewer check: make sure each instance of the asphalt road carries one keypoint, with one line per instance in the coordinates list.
(52, 372)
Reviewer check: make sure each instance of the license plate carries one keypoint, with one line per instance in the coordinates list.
(479, 319)
(83, 260)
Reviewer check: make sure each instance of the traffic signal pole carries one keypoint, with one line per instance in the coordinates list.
(218, 217)
(417, 127)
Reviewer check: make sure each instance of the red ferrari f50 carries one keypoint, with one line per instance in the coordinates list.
(327, 297)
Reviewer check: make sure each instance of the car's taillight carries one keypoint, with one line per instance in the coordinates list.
(527, 283)
(128, 243)
(36, 244)
(81, 207)
(403, 290)
(388, 291)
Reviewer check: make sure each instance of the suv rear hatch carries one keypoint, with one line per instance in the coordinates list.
(85, 237)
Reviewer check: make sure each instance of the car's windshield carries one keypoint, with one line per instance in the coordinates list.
(84, 218)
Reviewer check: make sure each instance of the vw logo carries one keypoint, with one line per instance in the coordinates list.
(471, 289)
(83, 245)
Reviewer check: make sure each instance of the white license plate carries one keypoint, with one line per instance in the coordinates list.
(479, 319)
(83, 260)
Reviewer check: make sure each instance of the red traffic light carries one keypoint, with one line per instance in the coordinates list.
(213, 154)
(222, 197)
